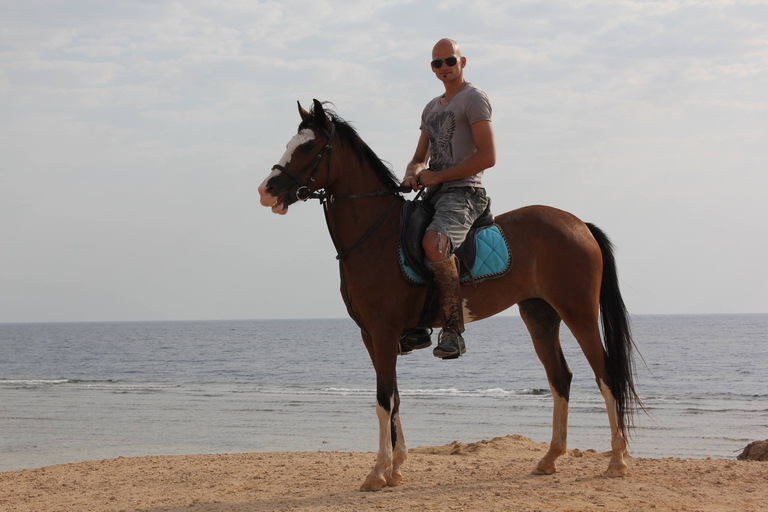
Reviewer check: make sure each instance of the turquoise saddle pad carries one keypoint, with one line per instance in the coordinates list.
(492, 258)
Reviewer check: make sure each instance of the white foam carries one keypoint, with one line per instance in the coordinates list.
(442, 392)
(33, 382)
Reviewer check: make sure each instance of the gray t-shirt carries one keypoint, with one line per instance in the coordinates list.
(449, 128)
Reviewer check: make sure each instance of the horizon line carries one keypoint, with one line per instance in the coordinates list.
(315, 318)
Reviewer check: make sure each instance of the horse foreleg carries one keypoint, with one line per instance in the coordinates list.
(617, 467)
(400, 452)
(386, 470)
(377, 478)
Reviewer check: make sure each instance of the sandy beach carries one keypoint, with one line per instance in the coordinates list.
(487, 475)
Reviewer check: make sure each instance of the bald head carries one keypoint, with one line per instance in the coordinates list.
(446, 45)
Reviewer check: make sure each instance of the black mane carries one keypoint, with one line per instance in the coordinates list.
(364, 153)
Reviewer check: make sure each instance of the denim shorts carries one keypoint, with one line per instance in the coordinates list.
(456, 209)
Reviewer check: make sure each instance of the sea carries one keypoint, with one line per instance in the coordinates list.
(71, 392)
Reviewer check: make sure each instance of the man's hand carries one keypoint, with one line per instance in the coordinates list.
(417, 165)
(413, 182)
(429, 178)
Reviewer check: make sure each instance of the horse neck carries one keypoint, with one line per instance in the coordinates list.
(353, 217)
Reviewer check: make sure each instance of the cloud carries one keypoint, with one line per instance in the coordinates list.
(65, 74)
(148, 125)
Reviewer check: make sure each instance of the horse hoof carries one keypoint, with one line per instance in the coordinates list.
(545, 468)
(616, 470)
(373, 483)
(394, 479)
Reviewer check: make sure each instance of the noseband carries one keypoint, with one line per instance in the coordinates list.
(302, 192)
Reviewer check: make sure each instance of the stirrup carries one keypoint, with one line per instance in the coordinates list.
(450, 345)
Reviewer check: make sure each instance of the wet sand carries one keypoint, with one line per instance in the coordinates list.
(488, 475)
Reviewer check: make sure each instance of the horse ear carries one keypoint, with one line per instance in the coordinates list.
(303, 113)
(320, 118)
(318, 107)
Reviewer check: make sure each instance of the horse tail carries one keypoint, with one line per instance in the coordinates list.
(616, 335)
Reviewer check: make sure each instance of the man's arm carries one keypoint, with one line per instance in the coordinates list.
(418, 163)
(482, 159)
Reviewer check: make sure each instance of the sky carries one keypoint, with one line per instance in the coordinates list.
(134, 135)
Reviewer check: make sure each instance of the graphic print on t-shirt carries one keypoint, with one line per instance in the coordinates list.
(440, 128)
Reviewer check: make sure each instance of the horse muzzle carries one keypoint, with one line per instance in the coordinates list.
(271, 197)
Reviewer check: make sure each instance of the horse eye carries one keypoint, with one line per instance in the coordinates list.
(306, 147)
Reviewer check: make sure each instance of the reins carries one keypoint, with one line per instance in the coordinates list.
(302, 192)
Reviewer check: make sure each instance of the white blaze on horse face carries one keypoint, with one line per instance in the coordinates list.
(266, 198)
(300, 138)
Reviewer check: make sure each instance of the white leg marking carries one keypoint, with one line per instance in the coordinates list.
(617, 466)
(401, 453)
(559, 422)
(610, 404)
(382, 470)
(384, 458)
(559, 444)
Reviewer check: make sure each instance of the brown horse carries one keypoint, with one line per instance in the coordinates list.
(563, 269)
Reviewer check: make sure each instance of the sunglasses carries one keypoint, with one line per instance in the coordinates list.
(450, 61)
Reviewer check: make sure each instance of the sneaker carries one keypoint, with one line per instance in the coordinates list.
(414, 340)
(450, 345)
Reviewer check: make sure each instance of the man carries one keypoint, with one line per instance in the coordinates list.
(457, 141)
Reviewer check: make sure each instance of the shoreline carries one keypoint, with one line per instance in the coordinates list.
(486, 475)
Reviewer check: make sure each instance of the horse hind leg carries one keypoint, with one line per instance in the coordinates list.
(617, 467)
(586, 331)
(543, 324)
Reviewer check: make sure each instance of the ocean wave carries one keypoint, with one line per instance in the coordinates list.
(699, 410)
(110, 385)
(31, 383)
(684, 396)
(442, 392)
(696, 402)
(412, 393)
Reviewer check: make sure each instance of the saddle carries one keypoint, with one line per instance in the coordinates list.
(483, 254)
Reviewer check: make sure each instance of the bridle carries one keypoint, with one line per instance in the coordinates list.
(301, 192)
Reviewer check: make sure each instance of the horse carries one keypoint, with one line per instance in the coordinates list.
(563, 270)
